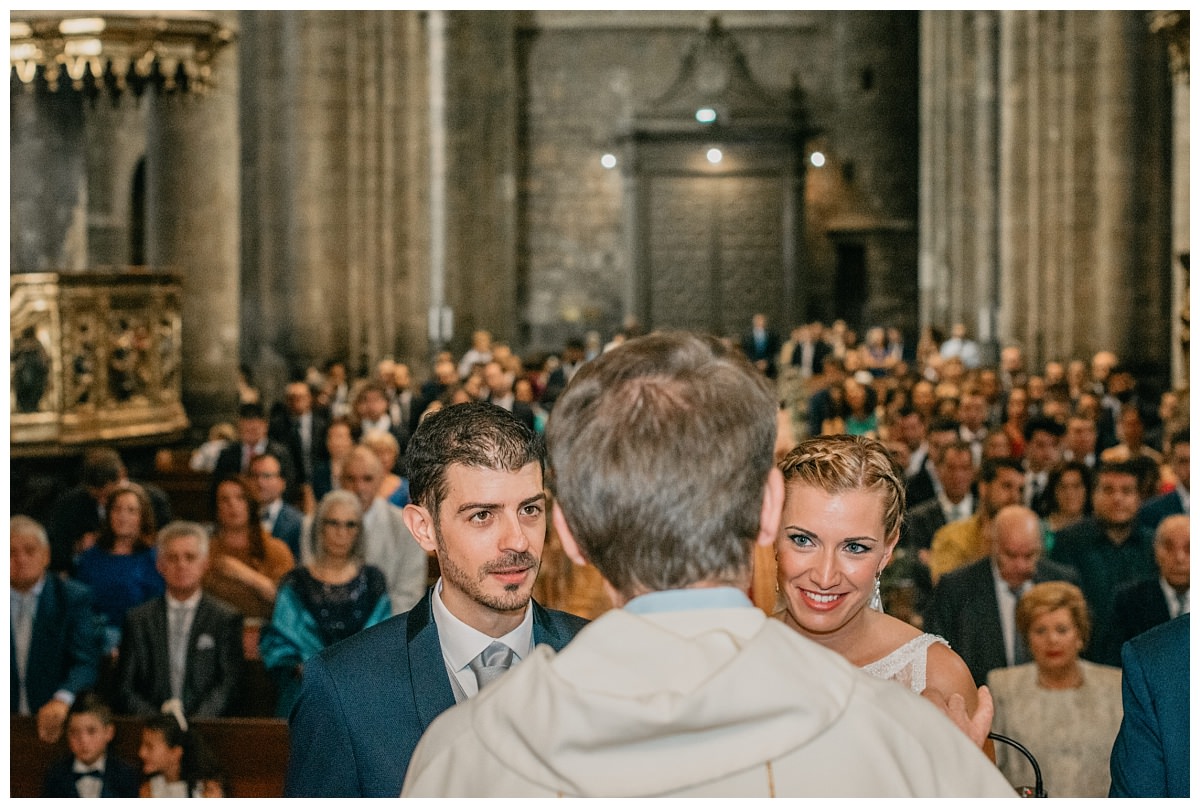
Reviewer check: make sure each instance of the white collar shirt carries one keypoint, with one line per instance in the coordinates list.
(462, 643)
(1007, 602)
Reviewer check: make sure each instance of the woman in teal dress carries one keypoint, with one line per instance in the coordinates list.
(327, 600)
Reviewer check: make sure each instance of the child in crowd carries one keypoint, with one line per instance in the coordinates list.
(90, 771)
(175, 760)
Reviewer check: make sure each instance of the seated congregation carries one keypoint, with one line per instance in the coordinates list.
(990, 537)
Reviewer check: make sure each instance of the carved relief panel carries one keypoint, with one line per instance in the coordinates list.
(95, 356)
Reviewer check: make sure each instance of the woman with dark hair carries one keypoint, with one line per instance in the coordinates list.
(326, 600)
(1068, 483)
(176, 761)
(1016, 410)
(121, 568)
(858, 400)
(245, 562)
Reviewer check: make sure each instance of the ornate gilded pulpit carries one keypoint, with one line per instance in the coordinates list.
(95, 356)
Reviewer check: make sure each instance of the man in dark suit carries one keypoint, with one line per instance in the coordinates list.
(1108, 549)
(821, 404)
(572, 360)
(54, 647)
(282, 520)
(1151, 755)
(253, 441)
(921, 483)
(1042, 453)
(74, 521)
(478, 503)
(183, 645)
(500, 392)
(1142, 605)
(761, 345)
(809, 350)
(445, 377)
(301, 428)
(1178, 500)
(371, 412)
(974, 607)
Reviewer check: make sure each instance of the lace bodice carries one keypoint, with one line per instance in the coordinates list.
(906, 664)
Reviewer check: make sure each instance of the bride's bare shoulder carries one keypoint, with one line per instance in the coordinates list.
(946, 672)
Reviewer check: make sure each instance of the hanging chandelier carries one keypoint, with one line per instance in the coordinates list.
(113, 51)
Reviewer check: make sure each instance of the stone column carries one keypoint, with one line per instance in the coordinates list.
(116, 141)
(937, 202)
(1114, 235)
(47, 181)
(982, 306)
(192, 227)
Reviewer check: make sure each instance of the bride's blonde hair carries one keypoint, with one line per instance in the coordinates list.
(836, 464)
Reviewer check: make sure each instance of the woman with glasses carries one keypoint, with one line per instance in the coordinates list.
(326, 600)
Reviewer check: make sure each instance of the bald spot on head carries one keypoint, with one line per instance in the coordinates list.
(1016, 543)
(1173, 550)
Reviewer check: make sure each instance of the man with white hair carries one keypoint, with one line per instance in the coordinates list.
(184, 645)
(55, 649)
(1142, 605)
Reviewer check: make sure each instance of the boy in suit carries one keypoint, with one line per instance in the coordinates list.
(90, 771)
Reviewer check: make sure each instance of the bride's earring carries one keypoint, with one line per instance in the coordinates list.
(876, 601)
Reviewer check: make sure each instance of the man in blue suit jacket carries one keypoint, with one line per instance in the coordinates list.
(1150, 757)
(60, 640)
(281, 519)
(1156, 509)
(478, 502)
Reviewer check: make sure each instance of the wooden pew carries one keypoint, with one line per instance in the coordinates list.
(253, 752)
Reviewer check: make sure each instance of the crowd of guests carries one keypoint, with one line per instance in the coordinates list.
(946, 523)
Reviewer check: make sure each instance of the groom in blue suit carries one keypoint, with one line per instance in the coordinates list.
(1150, 757)
(478, 502)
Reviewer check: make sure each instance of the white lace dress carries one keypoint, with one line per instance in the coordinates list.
(907, 663)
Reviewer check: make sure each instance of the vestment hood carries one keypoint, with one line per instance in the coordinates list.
(663, 676)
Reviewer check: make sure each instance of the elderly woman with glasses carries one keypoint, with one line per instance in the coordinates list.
(324, 601)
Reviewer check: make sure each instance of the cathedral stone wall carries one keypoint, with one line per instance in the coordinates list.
(585, 76)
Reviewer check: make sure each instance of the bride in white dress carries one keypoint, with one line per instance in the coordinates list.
(844, 501)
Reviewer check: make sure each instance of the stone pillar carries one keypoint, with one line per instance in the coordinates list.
(192, 227)
(1114, 236)
(1181, 209)
(980, 309)
(116, 141)
(47, 181)
(333, 163)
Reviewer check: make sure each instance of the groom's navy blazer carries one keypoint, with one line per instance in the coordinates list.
(364, 703)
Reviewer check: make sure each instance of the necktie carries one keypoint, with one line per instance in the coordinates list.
(1020, 653)
(491, 662)
(1181, 603)
(89, 773)
(26, 606)
(178, 649)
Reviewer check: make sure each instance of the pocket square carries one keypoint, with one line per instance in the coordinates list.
(205, 642)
